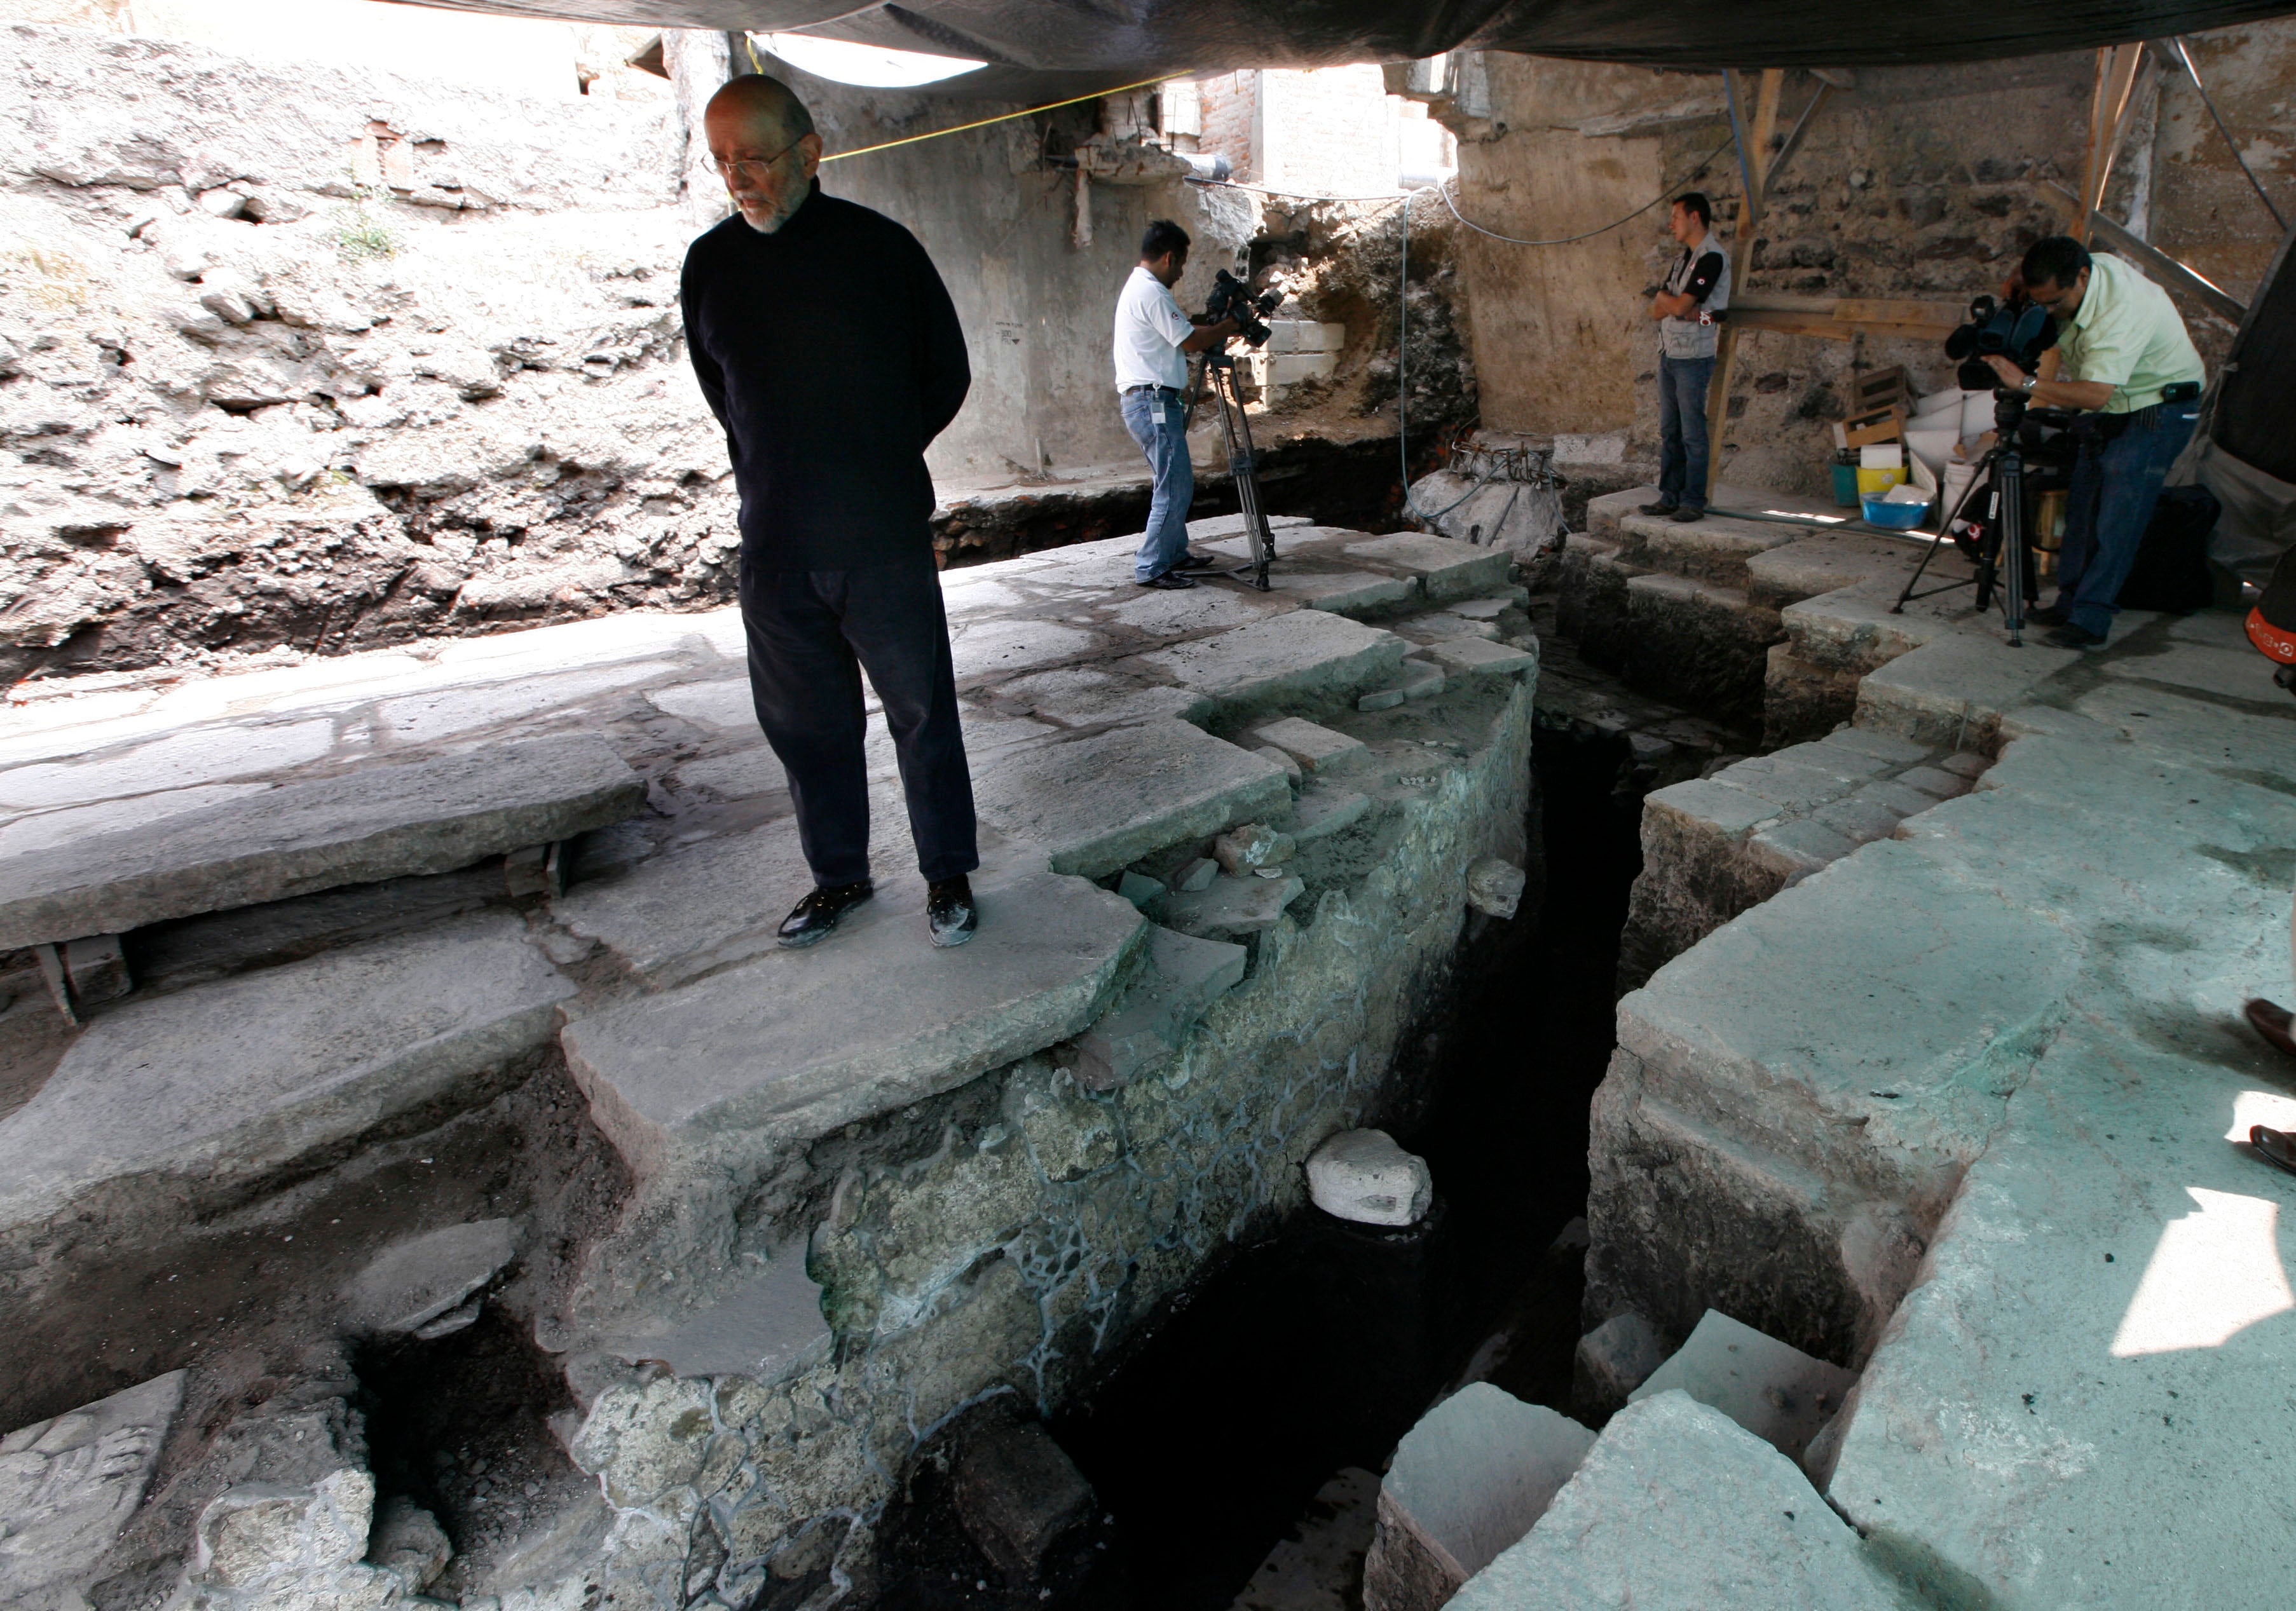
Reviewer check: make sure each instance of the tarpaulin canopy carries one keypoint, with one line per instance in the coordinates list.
(1134, 38)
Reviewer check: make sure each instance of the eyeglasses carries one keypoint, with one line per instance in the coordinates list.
(753, 168)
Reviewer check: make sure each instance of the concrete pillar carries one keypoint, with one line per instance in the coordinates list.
(699, 61)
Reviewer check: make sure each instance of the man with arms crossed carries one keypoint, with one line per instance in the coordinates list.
(2122, 351)
(828, 349)
(1697, 287)
(1153, 340)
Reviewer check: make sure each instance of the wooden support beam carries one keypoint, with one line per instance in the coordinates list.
(1756, 157)
(1793, 140)
(2116, 78)
(2163, 269)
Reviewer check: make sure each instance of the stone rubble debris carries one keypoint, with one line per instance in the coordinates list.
(412, 1286)
(1023, 1502)
(1495, 886)
(1611, 1360)
(1362, 1176)
(1255, 845)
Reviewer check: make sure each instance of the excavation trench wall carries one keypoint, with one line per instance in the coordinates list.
(1006, 1238)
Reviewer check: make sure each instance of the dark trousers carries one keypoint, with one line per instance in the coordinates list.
(2115, 486)
(1682, 430)
(811, 635)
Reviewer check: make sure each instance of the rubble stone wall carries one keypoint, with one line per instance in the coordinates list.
(1032, 1223)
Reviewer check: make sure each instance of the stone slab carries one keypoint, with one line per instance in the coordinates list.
(1716, 549)
(1479, 1471)
(381, 822)
(1323, 809)
(1675, 1508)
(767, 1330)
(69, 1486)
(1084, 696)
(1180, 979)
(741, 774)
(1206, 607)
(410, 1284)
(986, 648)
(1949, 694)
(1318, 749)
(1855, 629)
(183, 760)
(1345, 593)
(1447, 569)
(194, 1096)
(1232, 907)
(456, 711)
(873, 1019)
(1476, 657)
(2238, 672)
(1306, 656)
(1097, 802)
(727, 703)
(1818, 563)
(1214, 528)
(1771, 1389)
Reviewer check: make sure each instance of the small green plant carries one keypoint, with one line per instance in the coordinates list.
(359, 233)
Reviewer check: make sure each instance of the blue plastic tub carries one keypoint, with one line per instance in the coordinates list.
(1897, 517)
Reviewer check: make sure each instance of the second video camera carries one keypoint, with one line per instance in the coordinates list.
(1231, 298)
(2018, 330)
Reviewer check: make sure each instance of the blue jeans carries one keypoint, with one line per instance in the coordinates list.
(1157, 423)
(1682, 429)
(2115, 486)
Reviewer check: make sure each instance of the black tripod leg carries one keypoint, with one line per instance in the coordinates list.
(2012, 547)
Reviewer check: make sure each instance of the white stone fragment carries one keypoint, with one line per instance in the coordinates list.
(69, 1486)
(1362, 1176)
(413, 1283)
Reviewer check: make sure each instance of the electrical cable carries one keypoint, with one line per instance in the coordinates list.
(2207, 101)
(1444, 190)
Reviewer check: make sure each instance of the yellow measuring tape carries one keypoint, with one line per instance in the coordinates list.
(982, 123)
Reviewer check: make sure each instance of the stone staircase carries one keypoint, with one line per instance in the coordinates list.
(1700, 614)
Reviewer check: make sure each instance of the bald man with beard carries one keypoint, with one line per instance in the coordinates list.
(828, 349)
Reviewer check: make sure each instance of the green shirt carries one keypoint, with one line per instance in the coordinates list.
(2126, 333)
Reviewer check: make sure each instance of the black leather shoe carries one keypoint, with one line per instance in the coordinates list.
(1655, 508)
(1194, 560)
(2046, 615)
(1684, 515)
(1171, 581)
(950, 915)
(810, 921)
(2072, 636)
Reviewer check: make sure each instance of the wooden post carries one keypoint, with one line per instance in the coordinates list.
(2116, 78)
(1741, 261)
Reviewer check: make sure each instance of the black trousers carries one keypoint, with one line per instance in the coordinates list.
(811, 634)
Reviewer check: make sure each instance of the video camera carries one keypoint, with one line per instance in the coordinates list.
(2018, 330)
(1231, 298)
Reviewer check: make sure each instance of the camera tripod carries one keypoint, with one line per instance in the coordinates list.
(1219, 377)
(2001, 475)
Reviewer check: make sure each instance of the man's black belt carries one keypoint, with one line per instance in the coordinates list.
(1130, 390)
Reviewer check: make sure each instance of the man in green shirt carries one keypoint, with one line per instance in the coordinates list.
(2122, 353)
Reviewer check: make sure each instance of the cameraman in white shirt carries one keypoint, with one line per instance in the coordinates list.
(1153, 340)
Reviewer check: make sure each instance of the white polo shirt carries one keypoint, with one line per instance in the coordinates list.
(1149, 330)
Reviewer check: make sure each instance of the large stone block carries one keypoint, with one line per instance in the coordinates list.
(1306, 658)
(198, 1097)
(1447, 569)
(1676, 1508)
(1774, 1391)
(1097, 802)
(1466, 1484)
(381, 822)
(1704, 645)
(1716, 549)
(1181, 977)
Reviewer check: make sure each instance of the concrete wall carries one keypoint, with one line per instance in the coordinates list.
(1923, 182)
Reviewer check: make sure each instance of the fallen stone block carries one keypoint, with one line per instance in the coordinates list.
(1362, 1176)
(1138, 889)
(68, 1486)
(1771, 1389)
(1232, 907)
(1447, 569)
(765, 1330)
(1323, 810)
(1022, 1500)
(1381, 699)
(1317, 748)
(381, 822)
(1422, 679)
(407, 1542)
(1495, 886)
(1466, 1483)
(1968, 764)
(1181, 977)
(1675, 1507)
(1301, 658)
(223, 1086)
(1934, 781)
(1099, 801)
(1475, 657)
(1611, 1360)
(1255, 845)
(1345, 593)
(414, 1283)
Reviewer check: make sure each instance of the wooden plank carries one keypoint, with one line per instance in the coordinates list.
(1883, 310)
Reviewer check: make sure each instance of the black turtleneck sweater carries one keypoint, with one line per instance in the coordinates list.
(831, 353)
